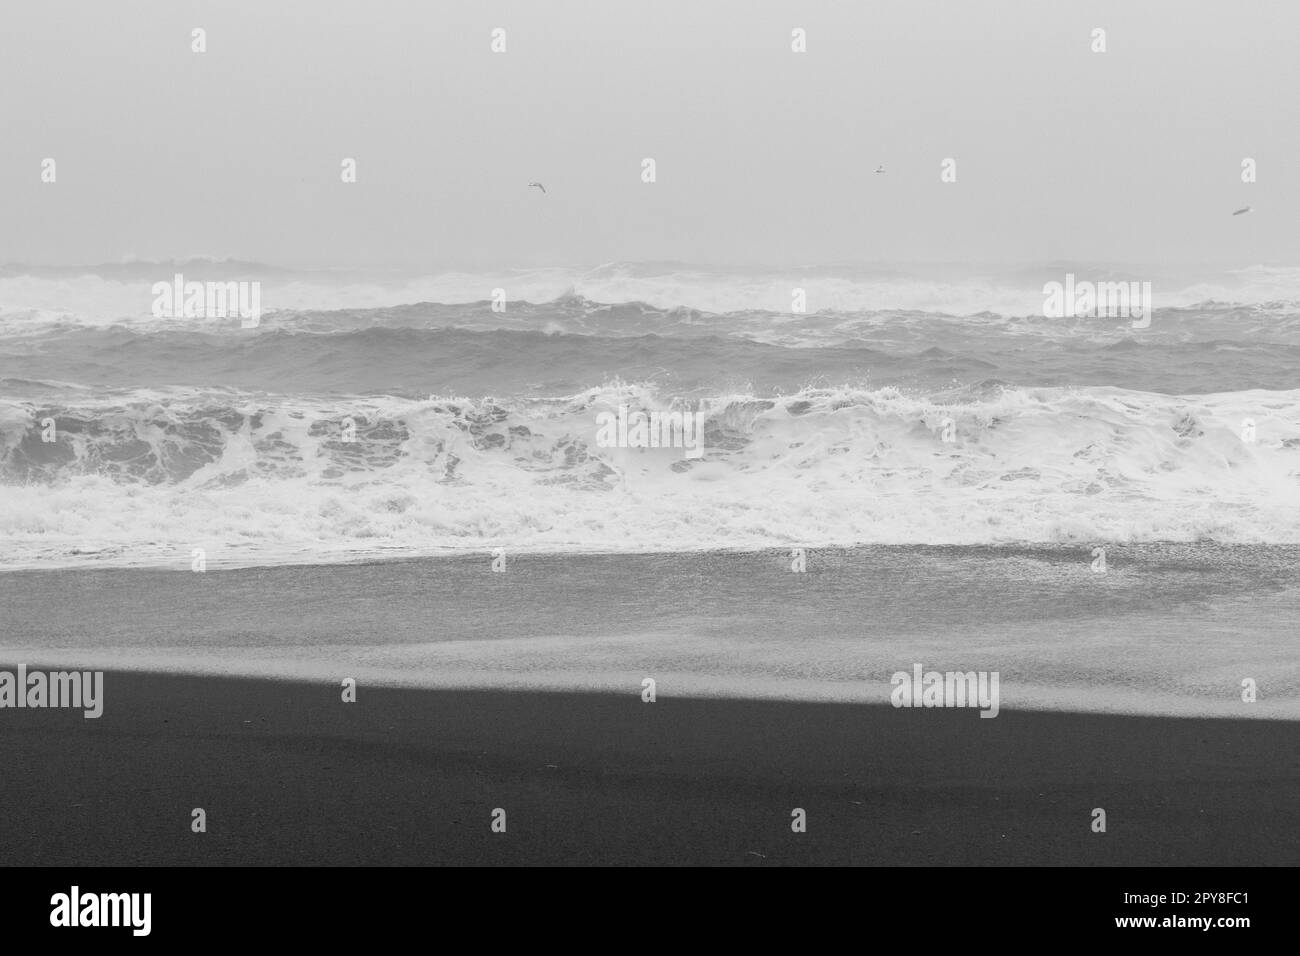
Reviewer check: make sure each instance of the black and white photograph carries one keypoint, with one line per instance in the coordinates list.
(526, 433)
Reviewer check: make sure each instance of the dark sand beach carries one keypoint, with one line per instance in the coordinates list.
(288, 774)
(522, 691)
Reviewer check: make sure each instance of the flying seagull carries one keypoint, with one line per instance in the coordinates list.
(539, 186)
(1243, 209)
(880, 169)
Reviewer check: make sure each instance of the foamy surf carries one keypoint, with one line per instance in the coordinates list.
(144, 478)
(383, 414)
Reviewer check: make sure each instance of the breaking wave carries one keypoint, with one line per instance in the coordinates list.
(145, 477)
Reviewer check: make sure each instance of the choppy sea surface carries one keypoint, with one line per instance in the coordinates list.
(398, 415)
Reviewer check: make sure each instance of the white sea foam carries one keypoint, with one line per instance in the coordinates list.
(147, 478)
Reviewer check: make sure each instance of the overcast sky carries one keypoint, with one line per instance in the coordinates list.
(763, 155)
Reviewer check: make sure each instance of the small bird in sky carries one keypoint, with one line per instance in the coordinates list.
(539, 186)
(1244, 209)
(880, 169)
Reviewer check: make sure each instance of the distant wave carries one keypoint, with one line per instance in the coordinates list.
(147, 477)
(32, 298)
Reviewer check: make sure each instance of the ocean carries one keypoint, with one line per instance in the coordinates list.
(389, 478)
(396, 415)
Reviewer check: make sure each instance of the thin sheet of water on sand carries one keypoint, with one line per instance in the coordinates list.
(1165, 630)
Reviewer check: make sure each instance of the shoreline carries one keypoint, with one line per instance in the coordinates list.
(1047, 550)
(1179, 633)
